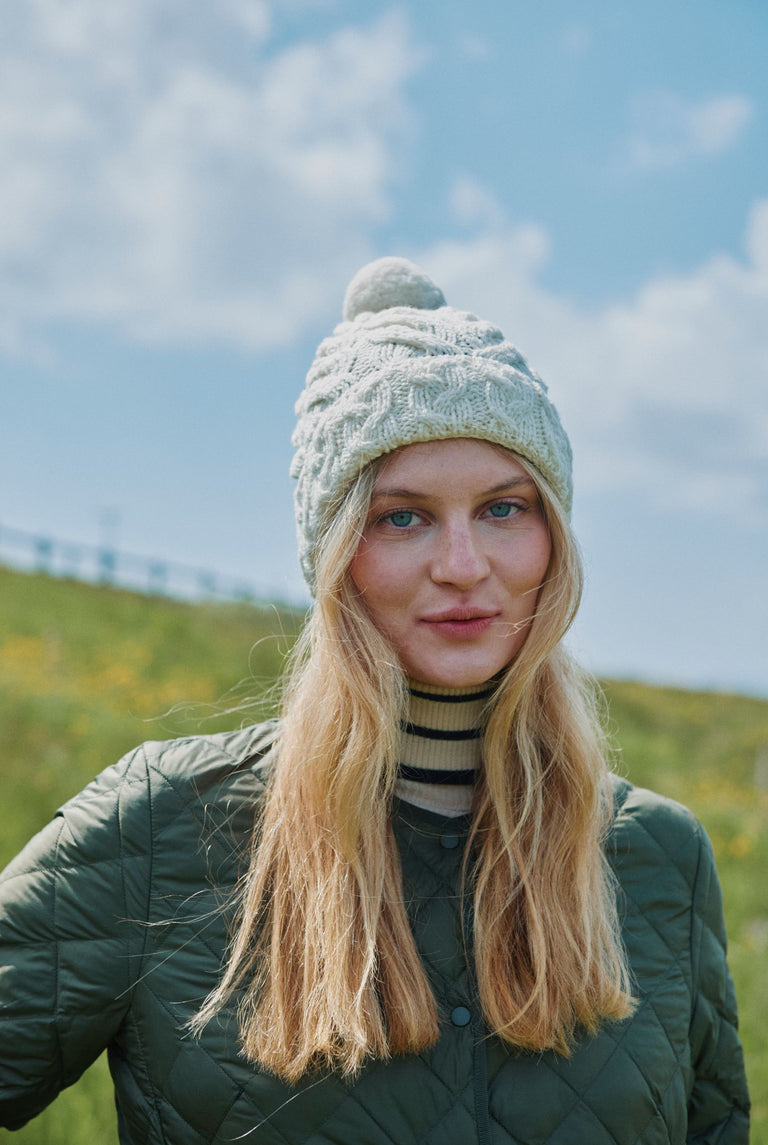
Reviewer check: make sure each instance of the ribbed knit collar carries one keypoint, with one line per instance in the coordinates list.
(440, 746)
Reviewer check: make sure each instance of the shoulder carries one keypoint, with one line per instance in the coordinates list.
(156, 791)
(194, 764)
(153, 791)
(652, 834)
(164, 779)
(200, 768)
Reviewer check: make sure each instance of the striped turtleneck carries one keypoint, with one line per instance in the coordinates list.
(440, 746)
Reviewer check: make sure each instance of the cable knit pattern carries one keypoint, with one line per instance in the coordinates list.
(393, 375)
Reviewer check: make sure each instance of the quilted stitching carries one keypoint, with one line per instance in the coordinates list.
(162, 952)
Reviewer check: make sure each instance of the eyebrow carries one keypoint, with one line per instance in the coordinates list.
(513, 483)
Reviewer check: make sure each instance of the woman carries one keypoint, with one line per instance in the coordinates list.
(451, 923)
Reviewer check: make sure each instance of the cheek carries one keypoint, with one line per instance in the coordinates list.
(384, 582)
(372, 573)
(544, 556)
(527, 571)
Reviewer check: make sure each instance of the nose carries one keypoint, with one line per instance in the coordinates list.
(459, 558)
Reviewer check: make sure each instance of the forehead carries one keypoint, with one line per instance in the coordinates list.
(467, 458)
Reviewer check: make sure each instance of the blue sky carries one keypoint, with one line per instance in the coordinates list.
(186, 189)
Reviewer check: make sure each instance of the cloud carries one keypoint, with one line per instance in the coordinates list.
(471, 204)
(667, 392)
(166, 172)
(252, 16)
(669, 131)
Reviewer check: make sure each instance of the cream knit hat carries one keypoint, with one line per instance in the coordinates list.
(405, 367)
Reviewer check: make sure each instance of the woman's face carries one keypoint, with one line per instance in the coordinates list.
(451, 559)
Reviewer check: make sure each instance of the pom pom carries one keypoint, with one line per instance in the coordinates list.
(390, 282)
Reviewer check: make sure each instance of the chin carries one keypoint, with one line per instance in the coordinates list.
(458, 676)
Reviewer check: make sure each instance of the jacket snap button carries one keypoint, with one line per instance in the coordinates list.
(449, 841)
(461, 1016)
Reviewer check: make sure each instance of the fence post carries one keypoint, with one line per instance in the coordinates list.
(43, 554)
(106, 561)
(157, 577)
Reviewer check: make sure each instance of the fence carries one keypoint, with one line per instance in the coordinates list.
(102, 564)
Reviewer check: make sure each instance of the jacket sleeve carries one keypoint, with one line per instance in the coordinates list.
(718, 1110)
(69, 943)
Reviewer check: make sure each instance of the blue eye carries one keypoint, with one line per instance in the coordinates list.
(502, 509)
(402, 518)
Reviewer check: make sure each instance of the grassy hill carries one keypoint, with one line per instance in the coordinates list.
(86, 672)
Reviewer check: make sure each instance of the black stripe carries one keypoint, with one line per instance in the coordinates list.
(439, 733)
(463, 777)
(451, 699)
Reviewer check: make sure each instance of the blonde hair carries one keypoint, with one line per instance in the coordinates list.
(324, 958)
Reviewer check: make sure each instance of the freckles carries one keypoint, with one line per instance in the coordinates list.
(388, 590)
(524, 573)
(379, 578)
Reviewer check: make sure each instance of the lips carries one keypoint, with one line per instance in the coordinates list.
(460, 614)
(463, 623)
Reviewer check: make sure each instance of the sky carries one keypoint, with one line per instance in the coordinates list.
(187, 188)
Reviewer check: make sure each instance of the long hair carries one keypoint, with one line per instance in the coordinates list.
(323, 959)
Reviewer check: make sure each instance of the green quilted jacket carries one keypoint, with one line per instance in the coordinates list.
(113, 925)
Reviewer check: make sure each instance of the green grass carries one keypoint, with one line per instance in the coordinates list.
(86, 672)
